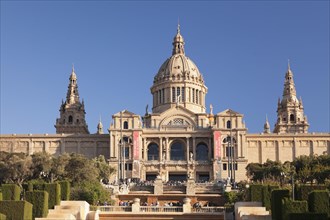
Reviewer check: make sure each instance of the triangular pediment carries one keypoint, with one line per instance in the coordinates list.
(124, 113)
(229, 112)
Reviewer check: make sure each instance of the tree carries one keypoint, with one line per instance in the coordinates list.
(41, 165)
(104, 168)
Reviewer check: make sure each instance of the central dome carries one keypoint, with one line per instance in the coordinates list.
(178, 82)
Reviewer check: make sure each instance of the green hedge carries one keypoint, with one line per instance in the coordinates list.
(290, 206)
(318, 201)
(267, 194)
(2, 216)
(54, 191)
(27, 187)
(302, 191)
(0, 196)
(39, 199)
(308, 216)
(16, 210)
(276, 202)
(65, 190)
(256, 193)
(11, 192)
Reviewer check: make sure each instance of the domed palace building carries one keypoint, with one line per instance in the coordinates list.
(178, 139)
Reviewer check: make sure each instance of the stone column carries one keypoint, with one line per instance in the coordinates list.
(168, 150)
(145, 150)
(136, 205)
(186, 205)
(188, 153)
(210, 149)
(194, 147)
(160, 153)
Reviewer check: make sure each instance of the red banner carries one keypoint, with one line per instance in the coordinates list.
(136, 145)
(217, 144)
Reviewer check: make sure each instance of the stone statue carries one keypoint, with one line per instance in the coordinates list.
(211, 109)
(164, 156)
(147, 109)
(190, 175)
(191, 156)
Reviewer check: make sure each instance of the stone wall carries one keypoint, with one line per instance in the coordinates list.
(55, 144)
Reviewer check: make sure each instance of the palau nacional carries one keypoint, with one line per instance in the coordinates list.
(179, 138)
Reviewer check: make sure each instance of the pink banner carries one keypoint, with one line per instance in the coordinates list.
(136, 147)
(217, 144)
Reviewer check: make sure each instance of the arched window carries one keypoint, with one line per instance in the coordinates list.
(177, 151)
(202, 152)
(228, 124)
(292, 118)
(70, 119)
(230, 148)
(125, 125)
(153, 152)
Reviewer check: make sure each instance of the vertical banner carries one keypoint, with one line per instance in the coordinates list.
(136, 147)
(217, 144)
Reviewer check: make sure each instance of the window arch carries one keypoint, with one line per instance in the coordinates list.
(70, 119)
(291, 118)
(125, 125)
(177, 151)
(202, 152)
(153, 152)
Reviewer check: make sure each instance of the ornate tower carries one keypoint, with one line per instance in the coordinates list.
(99, 127)
(72, 111)
(178, 82)
(266, 126)
(290, 111)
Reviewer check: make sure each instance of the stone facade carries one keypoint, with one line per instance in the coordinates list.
(178, 139)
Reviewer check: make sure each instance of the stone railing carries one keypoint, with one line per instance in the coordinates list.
(161, 209)
(185, 208)
(216, 209)
(115, 208)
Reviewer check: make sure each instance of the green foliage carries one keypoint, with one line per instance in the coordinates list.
(256, 192)
(11, 192)
(27, 187)
(276, 202)
(39, 200)
(0, 196)
(308, 216)
(266, 195)
(54, 191)
(318, 201)
(302, 191)
(2, 216)
(16, 210)
(270, 170)
(65, 190)
(290, 206)
(92, 192)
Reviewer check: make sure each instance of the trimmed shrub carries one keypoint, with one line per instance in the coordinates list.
(39, 200)
(65, 190)
(302, 191)
(16, 210)
(0, 196)
(27, 187)
(276, 202)
(11, 192)
(308, 216)
(54, 191)
(256, 193)
(290, 206)
(267, 194)
(318, 201)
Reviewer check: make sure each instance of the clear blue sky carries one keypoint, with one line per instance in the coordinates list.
(241, 47)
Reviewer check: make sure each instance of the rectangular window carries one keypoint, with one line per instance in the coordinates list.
(128, 166)
(163, 92)
(173, 94)
(224, 166)
(160, 96)
(229, 151)
(126, 152)
(197, 98)
(193, 95)
(183, 94)
(177, 91)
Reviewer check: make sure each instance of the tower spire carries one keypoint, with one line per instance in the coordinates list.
(266, 126)
(99, 127)
(178, 42)
(290, 111)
